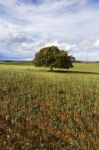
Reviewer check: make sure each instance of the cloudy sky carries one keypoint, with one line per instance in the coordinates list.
(28, 25)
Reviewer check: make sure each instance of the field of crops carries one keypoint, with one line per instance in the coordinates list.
(43, 110)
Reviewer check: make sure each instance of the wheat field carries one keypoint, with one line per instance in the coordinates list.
(43, 110)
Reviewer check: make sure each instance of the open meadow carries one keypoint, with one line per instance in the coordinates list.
(44, 110)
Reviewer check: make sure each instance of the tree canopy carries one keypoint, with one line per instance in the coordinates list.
(51, 57)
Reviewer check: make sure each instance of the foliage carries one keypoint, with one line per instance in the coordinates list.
(53, 57)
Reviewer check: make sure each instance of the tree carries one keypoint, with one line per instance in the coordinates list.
(53, 57)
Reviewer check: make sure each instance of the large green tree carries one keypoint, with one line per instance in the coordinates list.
(51, 57)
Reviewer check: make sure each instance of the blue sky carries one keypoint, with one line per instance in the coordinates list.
(28, 25)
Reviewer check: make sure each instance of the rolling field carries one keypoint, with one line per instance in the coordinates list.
(43, 110)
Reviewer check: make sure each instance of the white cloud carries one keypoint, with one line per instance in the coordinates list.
(93, 56)
(8, 2)
(6, 29)
(96, 44)
(62, 45)
(70, 25)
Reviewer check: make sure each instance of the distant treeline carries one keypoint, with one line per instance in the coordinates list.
(11, 62)
(86, 61)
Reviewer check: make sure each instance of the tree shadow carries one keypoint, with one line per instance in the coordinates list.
(74, 72)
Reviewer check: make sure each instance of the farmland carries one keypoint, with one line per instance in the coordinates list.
(43, 110)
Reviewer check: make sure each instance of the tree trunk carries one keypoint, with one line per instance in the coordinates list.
(51, 68)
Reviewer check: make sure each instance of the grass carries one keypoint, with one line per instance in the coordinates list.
(25, 63)
(56, 110)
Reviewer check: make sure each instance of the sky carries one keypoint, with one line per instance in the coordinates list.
(26, 26)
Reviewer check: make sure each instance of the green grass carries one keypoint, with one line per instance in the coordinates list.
(91, 67)
(40, 109)
(85, 67)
